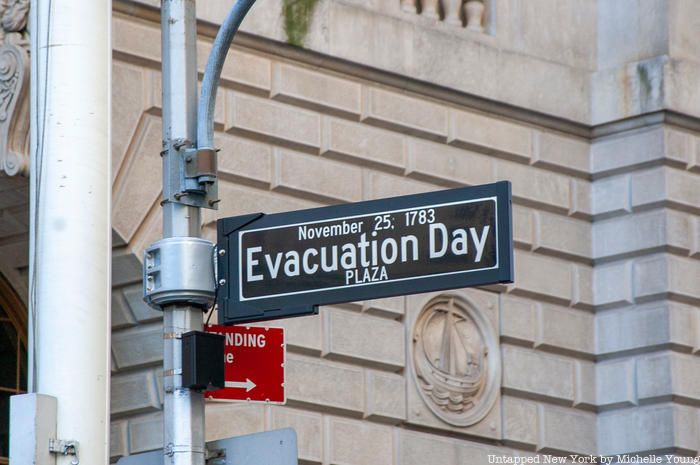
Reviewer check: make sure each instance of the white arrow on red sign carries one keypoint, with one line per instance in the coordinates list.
(247, 384)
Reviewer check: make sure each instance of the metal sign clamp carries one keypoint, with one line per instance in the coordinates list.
(199, 176)
(215, 457)
(171, 449)
(59, 446)
(191, 175)
(200, 164)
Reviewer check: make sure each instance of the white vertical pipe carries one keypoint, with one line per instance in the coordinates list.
(70, 230)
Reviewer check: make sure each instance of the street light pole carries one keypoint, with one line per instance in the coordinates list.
(179, 269)
(183, 409)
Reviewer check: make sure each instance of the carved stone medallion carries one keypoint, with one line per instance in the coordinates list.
(456, 360)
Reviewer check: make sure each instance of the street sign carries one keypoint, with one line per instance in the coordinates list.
(276, 447)
(286, 264)
(254, 364)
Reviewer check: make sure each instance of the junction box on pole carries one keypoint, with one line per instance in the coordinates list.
(179, 270)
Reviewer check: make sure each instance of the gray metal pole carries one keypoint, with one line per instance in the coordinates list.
(183, 409)
(178, 270)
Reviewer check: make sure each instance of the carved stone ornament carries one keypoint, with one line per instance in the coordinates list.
(431, 8)
(14, 87)
(456, 361)
(453, 12)
(409, 6)
(474, 12)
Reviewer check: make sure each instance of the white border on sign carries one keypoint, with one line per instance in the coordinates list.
(323, 289)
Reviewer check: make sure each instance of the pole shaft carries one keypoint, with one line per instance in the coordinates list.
(70, 227)
(183, 409)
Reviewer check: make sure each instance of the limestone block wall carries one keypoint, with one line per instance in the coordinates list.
(645, 244)
(294, 136)
(598, 335)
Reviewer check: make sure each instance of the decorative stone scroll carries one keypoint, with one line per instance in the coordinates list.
(14, 87)
(461, 13)
(456, 360)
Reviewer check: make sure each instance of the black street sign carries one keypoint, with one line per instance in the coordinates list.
(286, 264)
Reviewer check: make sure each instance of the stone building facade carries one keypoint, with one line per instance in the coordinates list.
(591, 110)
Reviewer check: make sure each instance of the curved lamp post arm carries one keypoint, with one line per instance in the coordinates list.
(212, 73)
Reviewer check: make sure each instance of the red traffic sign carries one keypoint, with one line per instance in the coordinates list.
(254, 364)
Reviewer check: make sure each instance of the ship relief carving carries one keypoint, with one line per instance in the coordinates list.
(14, 87)
(456, 360)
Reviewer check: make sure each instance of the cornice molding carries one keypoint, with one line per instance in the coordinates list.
(421, 88)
